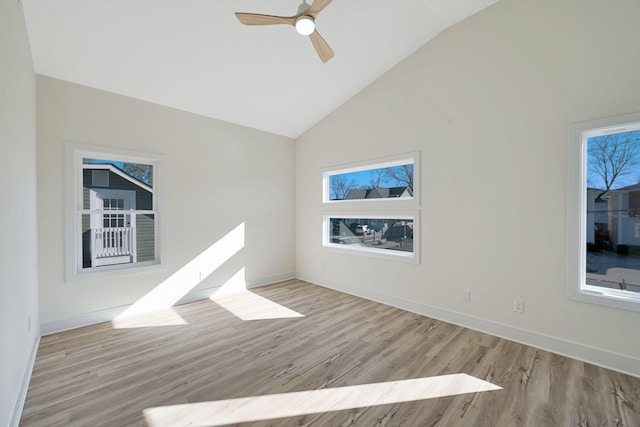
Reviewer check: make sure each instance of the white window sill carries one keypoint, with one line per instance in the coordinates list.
(612, 298)
(408, 257)
(105, 272)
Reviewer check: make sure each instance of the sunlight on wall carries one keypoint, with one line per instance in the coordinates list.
(166, 294)
(234, 284)
(246, 305)
(256, 408)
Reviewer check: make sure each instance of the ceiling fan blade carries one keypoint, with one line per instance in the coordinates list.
(258, 19)
(322, 47)
(317, 6)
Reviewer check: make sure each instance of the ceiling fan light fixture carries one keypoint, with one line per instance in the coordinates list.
(303, 21)
(305, 25)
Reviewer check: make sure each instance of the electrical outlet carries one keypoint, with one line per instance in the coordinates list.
(518, 305)
(466, 295)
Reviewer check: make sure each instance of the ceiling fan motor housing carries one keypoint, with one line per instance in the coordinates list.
(305, 25)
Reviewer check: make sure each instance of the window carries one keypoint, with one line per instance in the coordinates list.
(370, 208)
(604, 212)
(391, 235)
(372, 182)
(113, 215)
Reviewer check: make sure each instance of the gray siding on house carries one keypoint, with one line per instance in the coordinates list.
(145, 228)
(116, 182)
(86, 185)
(86, 223)
(86, 242)
(145, 238)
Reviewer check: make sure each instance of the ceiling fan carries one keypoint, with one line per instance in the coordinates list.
(303, 21)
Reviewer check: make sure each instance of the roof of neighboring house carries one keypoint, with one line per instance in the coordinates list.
(599, 192)
(402, 191)
(356, 193)
(385, 192)
(116, 170)
(376, 193)
(628, 188)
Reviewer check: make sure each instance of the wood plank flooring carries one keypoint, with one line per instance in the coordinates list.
(311, 356)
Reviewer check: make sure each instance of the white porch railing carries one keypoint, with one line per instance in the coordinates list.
(116, 245)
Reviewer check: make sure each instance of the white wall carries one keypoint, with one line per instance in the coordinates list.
(218, 176)
(488, 104)
(18, 263)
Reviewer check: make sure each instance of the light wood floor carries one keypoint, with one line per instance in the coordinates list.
(203, 365)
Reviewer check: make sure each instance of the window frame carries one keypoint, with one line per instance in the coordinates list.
(577, 288)
(398, 208)
(75, 153)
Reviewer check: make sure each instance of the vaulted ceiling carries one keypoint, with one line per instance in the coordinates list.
(195, 56)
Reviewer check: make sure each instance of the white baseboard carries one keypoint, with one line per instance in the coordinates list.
(596, 356)
(81, 320)
(109, 314)
(24, 386)
(270, 280)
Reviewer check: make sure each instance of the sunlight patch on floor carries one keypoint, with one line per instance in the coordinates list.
(234, 297)
(246, 305)
(257, 408)
(179, 284)
(249, 306)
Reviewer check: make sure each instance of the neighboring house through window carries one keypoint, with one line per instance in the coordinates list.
(114, 219)
(604, 212)
(371, 208)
